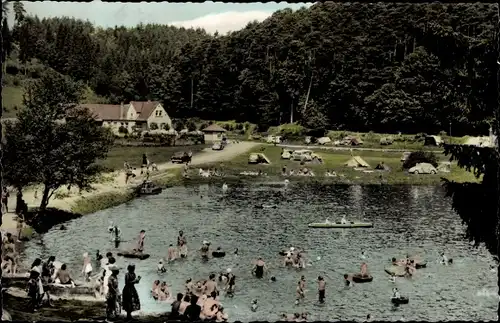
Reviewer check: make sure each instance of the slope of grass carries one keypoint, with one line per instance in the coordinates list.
(12, 100)
(335, 160)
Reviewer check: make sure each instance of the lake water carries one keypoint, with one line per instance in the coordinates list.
(411, 219)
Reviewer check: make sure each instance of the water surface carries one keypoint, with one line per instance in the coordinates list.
(406, 219)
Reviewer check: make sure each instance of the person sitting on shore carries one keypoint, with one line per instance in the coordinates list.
(63, 277)
(48, 270)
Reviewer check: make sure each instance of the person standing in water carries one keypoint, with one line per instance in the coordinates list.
(145, 163)
(140, 241)
(181, 238)
(87, 267)
(321, 289)
(131, 301)
(260, 268)
(171, 253)
(205, 250)
(299, 292)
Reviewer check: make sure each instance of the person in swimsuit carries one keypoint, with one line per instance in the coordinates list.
(181, 238)
(321, 289)
(299, 293)
(230, 283)
(63, 276)
(205, 250)
(183, 250)
(260, 267)
(140, 241)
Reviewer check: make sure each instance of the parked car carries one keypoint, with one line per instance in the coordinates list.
(304, 155)
(286, 154)
(181, 157)
(423, 168)
(218, 146)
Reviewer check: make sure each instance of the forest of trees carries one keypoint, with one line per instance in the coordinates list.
(385, 67)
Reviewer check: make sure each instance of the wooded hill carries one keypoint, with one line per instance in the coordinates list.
(381, 67)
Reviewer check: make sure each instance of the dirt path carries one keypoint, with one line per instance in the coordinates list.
(115, 182)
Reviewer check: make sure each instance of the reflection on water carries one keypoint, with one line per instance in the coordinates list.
(406, 219)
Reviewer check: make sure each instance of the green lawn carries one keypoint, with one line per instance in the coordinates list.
(335, 160)
(118, 155)
(12, 100)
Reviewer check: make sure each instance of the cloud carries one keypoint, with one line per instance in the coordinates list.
(224, 22)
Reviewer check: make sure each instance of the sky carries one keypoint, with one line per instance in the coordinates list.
(212, 16)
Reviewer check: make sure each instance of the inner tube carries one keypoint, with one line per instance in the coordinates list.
(135, 255)
(400, 300)
(282, 253)
(218, 254)
(420, 265)
(357, 278)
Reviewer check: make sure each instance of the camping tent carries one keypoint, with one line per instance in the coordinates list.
(356, 161)
(258, 158)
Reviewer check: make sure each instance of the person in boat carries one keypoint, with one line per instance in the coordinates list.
(130, 298)
(395, 262)
(321, 289)
(343, 220)
(260, 268)
(171, 253)
(181, 238)
(205, 248)
(87, 267)
(160, 268)
(140, 242)
(33, 290)
(183, 251)
(347, 281)
(63, 276)
(113, 296)
(364, 270)
(395, 293)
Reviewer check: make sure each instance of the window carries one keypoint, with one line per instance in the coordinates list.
(158, 113)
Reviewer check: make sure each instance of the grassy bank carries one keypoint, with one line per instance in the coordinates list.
(101, 201)
(335, 160)
(118, 155)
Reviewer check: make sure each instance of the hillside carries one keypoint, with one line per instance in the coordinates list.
(380, 67)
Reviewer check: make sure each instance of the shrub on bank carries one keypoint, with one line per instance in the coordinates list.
(101, 202)
(420, 157)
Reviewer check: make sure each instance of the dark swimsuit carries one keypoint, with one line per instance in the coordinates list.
(259, 271)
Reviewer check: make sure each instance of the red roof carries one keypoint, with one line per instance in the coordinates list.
(214, 128)
(144, 108)
(106, 111)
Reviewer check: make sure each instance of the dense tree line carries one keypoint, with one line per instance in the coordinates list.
(383, 67)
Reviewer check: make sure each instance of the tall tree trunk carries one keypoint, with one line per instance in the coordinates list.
(45, 198)
(291, 113)
(192, 92)
(308, 93)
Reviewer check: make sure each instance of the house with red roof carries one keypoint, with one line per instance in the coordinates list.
(136, 116)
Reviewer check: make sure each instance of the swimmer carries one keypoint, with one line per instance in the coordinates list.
(205, 250)
(273, 279)
(210, 285)
(363, 255)
(343, 220)
(300, 293)
(444, 259)
(254, 305)
(321, 289)
(160, 268)
(171, 253)
(347, 281)
(189, 286)
(154, 289)
(183, 251)
(260, 268)
(288, 261)
(181, 238)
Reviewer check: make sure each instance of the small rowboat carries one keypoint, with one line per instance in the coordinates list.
(400, 300)
(340, 225)
(133, 254)
(397, 271)
(358, 278)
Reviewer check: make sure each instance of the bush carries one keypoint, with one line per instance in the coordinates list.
(420, 157)
(153, 126)
(165, 126)
(190, 125)
(123, 130)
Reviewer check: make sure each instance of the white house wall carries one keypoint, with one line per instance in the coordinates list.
(163, 118)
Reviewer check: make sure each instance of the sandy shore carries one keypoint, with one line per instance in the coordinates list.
(115, 182)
